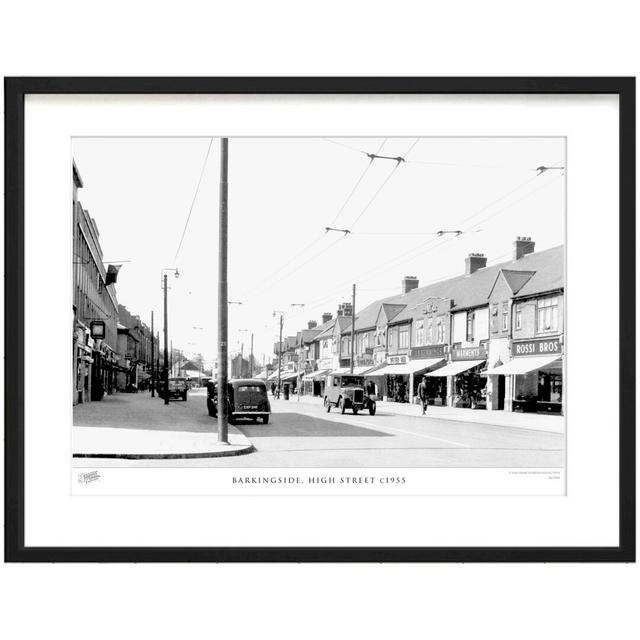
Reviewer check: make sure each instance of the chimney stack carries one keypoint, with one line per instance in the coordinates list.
(409, 283)
(522, 246)
(326, 317)
(312, 324)
(344, 309)
(473, 262)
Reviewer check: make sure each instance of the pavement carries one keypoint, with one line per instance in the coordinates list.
(551, 423)
(137, 426)
(302, 434)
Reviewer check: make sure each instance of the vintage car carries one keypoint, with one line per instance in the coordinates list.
(247, 398)
(347, 391)
(177, 388)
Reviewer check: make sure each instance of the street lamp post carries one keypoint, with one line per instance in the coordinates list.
(293, 304)
(166, 334)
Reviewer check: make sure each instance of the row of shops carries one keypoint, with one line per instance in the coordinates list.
(529, 381)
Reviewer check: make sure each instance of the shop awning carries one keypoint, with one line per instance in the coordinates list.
(316, 375)
(520, 366)
(454, 368)
(288, 376)
(410, 367)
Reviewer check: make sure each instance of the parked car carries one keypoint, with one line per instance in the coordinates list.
(177, 388)
(247, 398)
(346, 391)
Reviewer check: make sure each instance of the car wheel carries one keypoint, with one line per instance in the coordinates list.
(327, 404)
(355, 411)
(265, 420)
(372, 409)
(342, 406)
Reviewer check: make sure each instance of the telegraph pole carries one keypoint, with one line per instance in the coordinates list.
(166, 345)
(153, 338)
(353, 325)
(241, 359)
(280, 354)
(223, 304)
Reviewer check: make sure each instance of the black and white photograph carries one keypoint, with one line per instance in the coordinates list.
(384, 303)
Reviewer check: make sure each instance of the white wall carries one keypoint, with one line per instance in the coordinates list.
(482, 324)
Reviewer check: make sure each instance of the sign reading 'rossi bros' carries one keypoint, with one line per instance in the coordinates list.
(544, 347)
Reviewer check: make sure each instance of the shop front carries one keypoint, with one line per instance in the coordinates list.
(535, 370)
(402, 373)
(466, 386)
(429, 358)
(313, 383)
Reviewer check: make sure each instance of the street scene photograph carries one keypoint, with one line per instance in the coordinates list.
(281, 303)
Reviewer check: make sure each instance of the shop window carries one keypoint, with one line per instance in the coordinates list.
(547, 317)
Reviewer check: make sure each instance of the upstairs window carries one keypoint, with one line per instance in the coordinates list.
(547, 318)
(505, 316)
(471, 320)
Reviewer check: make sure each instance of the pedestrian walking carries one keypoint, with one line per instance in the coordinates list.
(423, 395)
(273, 389)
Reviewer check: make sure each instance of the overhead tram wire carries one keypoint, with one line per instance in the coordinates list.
(410, 253)
(193, 201)
(318, 238)
(399, 160)
(358, 181)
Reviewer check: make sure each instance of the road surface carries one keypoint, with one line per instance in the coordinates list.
(304, 435)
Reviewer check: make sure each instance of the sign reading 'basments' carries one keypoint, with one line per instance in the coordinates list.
(536, 347)
(430, 351)
(469, 353)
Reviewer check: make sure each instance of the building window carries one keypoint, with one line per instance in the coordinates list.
(548, 314)
(440, 331)
(420, 332)
(391, 336)
(505, 316)
(471, 317)
(518, 318)
(404, 338)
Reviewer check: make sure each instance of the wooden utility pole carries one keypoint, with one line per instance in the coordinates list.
(353, 326)
(223, 302)
(153, 338)
(280, 354)
(166, 345)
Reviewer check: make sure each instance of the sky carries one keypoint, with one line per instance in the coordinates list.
(156, 203)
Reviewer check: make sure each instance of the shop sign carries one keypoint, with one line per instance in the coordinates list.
(98, 329)
(431, 351)
(400, 359)
(364, 361)
(325, 363)
(542, 347)
(469, 353)
(369, 351)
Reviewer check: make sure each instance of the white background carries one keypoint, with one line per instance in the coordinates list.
(587, 516)
(490, 38)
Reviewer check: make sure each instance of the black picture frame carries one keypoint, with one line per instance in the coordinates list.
(15, 91)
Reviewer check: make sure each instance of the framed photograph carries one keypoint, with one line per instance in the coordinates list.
(320, 319)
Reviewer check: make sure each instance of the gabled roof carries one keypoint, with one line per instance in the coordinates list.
(325, 330)
(308, 335)
(515, 279)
